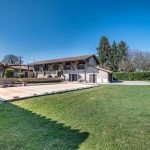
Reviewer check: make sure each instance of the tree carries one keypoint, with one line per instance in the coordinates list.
(141, 60)
(128, 63)
(9, 73)
(147, 61)
(123, 50)
(123, 54)
(114, 57)
(103, 51)
(119, 57)
(12, 60)
(3, 67)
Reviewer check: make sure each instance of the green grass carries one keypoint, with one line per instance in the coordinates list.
(102, 118)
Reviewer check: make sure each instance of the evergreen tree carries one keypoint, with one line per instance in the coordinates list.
(123, 54)
(123, 50)
(103, 51)
(114, 57)
(109, 62)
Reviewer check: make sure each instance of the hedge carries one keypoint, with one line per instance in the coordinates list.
(9, 73)
(131, 76)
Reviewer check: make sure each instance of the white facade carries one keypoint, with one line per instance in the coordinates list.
(88, 71)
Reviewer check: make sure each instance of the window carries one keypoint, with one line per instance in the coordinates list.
(81, 65)
(36, 68)
(45, 68)
(67, 66)
(55, 67)
(87, 61)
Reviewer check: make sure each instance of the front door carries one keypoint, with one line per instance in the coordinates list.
(92, 78)
(110, 77)
(73, 77)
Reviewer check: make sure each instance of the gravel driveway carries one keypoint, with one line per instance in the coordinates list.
(12, 93)
(130, 83)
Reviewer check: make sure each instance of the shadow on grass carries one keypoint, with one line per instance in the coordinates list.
(23, 129)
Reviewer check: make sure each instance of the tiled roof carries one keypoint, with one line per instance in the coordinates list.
(105, 70)
(23, 67)
(68, 59)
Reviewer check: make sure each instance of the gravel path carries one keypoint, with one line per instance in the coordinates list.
(13, 93)
(131, 83)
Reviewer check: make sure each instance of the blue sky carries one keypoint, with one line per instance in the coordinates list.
(45, 29)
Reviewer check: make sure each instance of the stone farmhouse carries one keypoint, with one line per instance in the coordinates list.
(80, 68)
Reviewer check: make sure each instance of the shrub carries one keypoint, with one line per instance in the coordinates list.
(9, 73)
(131, 76)
(21, 75)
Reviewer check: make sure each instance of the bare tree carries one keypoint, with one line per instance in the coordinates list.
(127, 64)
(141, 60)
(136, 61)
(12, 60)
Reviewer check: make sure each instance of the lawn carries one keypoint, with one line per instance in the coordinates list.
(102, 118)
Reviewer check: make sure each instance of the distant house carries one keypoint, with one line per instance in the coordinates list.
(81, 68)
(26, 69)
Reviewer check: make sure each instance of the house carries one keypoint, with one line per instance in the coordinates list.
(26, 69)
(80, 68)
